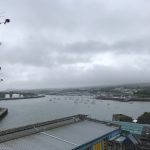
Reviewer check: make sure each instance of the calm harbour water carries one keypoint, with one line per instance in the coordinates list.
(28, 111)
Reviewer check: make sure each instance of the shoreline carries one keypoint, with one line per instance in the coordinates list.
(124, 99)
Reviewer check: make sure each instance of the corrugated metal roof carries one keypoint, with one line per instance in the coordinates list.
(62, 138)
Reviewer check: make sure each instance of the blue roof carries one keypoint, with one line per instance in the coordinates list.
(133, 128)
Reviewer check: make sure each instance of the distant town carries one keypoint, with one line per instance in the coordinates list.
(123, 93)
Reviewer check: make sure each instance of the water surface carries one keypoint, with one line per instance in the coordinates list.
(23, 112)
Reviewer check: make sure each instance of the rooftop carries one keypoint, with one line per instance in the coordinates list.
(65, 137)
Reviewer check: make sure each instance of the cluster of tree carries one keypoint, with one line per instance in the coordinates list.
(143, 93)
(144, 118)
(122, 117)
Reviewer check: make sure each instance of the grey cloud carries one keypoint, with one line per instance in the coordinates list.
(64, 39)
(136, 46)
(42, 52)
(141, 45)
(98, 75)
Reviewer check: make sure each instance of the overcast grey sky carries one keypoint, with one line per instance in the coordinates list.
(67, 43)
